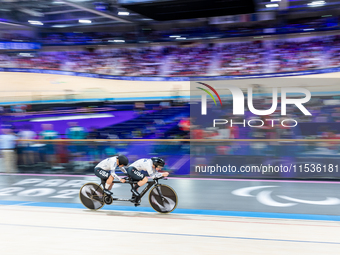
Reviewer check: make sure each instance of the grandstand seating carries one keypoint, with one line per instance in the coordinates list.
(253, 57)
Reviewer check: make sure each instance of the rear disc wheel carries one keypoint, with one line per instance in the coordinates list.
(91, 196)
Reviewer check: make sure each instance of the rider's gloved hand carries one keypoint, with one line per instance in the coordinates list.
(122, 180)
(165, 174)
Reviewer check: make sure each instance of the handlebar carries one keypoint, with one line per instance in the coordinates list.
(128, 179)
(162, 177)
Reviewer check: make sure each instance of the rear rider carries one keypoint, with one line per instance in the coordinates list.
(105, 170)
(152, 166)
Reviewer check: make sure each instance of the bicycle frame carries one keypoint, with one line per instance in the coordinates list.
(150, 184)
(162, 203)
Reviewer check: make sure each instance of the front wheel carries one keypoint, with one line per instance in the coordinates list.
(92, 196)
(163, 198)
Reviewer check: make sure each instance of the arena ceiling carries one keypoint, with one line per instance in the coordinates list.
(81, 13)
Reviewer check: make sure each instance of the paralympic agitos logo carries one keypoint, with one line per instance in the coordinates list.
(239, 104)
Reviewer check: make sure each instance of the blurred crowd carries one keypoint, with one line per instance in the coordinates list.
(242, 58)
(163, 121)
(254, 57)
(118, 62)
(189, 60)
(22, 148)
(290, 56)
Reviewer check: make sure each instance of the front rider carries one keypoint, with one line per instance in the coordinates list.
(105, 170)
(152, 166)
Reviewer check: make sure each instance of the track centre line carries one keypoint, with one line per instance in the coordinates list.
(173, 234)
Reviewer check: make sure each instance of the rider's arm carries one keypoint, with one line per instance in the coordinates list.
(113, 173)
(113, 166)
(123, 170)
(153, 173)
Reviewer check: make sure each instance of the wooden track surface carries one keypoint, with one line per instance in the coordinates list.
(41, 231)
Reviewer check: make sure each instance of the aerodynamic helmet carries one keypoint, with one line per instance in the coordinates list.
(123, 160)
(158, 161)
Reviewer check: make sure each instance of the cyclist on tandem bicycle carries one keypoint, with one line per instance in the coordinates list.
(162, 198)
(152, 166)
(105, 170)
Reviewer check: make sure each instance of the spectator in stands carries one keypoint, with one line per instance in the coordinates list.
(50, 148)
(8, 146)
(26, 156)
(76, 132)
(48, 133)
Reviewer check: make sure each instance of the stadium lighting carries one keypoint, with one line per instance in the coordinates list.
(174, 36)
(60, 26)
(123, 13)
(181, 38)
(275, 0)
(316, 3)
(272, 5)
(116, 40)
(35, 22)
(26, 54)
(85, 21)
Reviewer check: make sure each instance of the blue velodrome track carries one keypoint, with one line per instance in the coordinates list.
(303, 200)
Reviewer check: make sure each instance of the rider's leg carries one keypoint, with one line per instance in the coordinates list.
(139, 184)
(135, 175)
(143, 181)
(109, 183)
(107, 179)
(108, 186)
